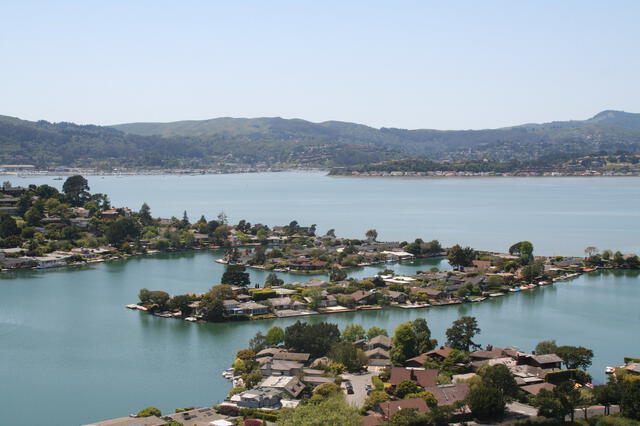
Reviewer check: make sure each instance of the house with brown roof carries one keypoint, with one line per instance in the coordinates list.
(379, 357)
(449, 394)
(381, 341)
(363, 297)
(289, 385)
(437, 355)
(292, 356)
(546, 362)
(425, 378)
(536, 388)
(390, 408)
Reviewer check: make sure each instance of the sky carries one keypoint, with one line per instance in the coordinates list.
(408, 64)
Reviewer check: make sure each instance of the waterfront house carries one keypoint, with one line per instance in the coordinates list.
(17, 262)
(396, 296)
(258, 398)
(390, 408)
(304, 264)
(251, 308)
(381, 341)
(281, 368)
(230, 306)
(289, 385)
(424, 377)
(363, 297)
(546, 362)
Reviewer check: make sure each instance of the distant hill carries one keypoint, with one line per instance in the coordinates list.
(607, 131)
(278, 142)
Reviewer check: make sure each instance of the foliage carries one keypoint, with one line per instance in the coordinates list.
(149, 411)
(459, 257)
(460, 335)
(374, 399)
(406, 387)
(486, 402)
(376, 331)
(315, 339)
(546, 347)
(273, 280)
(331, 411)
(499, 377)
(353, 332)
(575, 357)
(235, 275)
(275, 336)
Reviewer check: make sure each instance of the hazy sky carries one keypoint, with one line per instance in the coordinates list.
(446, 65)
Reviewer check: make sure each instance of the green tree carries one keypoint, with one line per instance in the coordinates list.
(630, 398)
(575, 357)
(145, 215)
(235, 275)
(424, 342)
(353, 332)
(459, 257)
(149, 411)
(461, 333)
(181, 302)
(486, 402)
(8, 226)
(404, 344)
(33, 216)
(499, 377)
(546, 347)
(348, 355)
(332, 411)
(122, 229)
(407, 387)
(316, 339)
(337, 274)
(374, 399)
(273, 280)
(371, 234)
(76, 188)
(275, 336)
(376, 331)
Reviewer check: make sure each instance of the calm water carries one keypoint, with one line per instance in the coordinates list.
(69, 347)
(559, 215)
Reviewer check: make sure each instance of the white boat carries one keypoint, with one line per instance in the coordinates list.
(610, 370)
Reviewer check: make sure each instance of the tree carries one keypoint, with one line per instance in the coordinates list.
(337, 274)
(33, 216)
(222, 218)
(532, 270)
(8, 226)
(575, 357)
(404, 344)
(499, 377)
(235, 275)
(630, 398)
(374, 399)
(122, 229)
(145, 214)
(149, 411)
(459, 257)
(526, 252)
(424, 342)
(546, 347)
(353, 332)
(316, 339)
(348, 355)
(331, 233)
(371, 234)
(460, 335)
(407, 387)
(376, 331)
(76, 188)
(275, 336)
(181, 302)
(549, 405)
(258, 342)
(331, 411)
(590, 251)
(486, 402)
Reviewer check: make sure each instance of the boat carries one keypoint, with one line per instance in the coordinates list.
(191, 319)
(610, 370)
(228, 373)
(514, 289)
(479, 299)
(496, 294)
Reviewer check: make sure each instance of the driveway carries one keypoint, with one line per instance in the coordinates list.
(359, 382)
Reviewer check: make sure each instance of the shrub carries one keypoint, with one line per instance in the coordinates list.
(149, 411)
